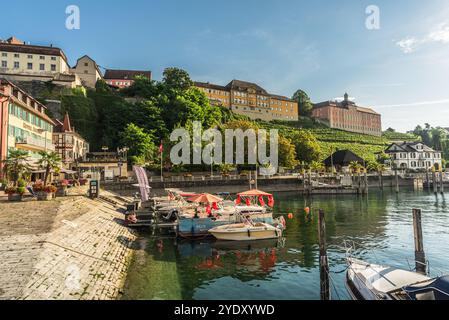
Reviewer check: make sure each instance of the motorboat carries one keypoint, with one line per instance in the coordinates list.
(246, 232)
(366, 281)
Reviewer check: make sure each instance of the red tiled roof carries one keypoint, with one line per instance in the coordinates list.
(125, 74)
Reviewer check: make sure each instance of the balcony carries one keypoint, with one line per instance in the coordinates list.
(34, 144)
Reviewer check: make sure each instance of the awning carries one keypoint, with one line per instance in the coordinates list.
(254, 193)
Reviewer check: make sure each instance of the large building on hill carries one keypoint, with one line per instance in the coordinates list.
(20, 61)
(347, 116)
(251, 100)
(124, 78)
(88, 71)
(24, 124)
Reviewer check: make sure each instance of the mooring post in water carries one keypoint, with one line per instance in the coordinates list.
(427, 180)
(366, 183)
(310, 182)
(434, 182)
(324, 263)
(420, 256)
(441, 182)
(397, 180)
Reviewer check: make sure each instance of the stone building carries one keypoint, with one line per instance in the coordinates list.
(347, 116)
(251, 100)
(88, 71)
(124, 78)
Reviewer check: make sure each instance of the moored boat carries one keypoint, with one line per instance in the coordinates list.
(366, 281)
(246, 232)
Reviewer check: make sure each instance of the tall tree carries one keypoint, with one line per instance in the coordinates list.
(142, 147)
(177, 79)
(304, 104)
(49, 161)
(307, 147)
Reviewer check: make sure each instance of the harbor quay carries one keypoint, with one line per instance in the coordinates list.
(70, 249)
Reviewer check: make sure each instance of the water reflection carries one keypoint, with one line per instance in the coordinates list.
(380, 225)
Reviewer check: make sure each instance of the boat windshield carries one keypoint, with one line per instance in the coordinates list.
(437, 289)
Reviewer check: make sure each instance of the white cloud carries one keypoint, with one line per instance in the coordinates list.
(439, 34)
(408, 45)
(416, 104)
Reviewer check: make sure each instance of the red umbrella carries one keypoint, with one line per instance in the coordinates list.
(205, 198)
(254, 193)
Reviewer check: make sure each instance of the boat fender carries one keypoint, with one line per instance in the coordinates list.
(276, 232)
(249, 233)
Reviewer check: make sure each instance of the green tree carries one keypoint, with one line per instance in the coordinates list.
(287, 153)
(305, 105)
(177, 79)
(307, 147)
(140, 143)
(49, 161)
(16, 164)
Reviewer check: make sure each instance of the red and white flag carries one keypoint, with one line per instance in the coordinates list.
(161, 148)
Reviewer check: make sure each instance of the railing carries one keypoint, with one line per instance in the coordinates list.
(35, 143)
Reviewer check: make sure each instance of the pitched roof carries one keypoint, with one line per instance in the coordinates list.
(344, 104)
(125, 74)
(343, 158)
(408, 147)
(244, 86)
(94, 62)
(210, 86)
(43, 115)
(32, 49)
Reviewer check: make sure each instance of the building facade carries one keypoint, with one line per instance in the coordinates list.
(88, 71)
(70, 146)
(24, 62)
(414, 156)
(347, 116)
(251, 100)
(124, 78)
(24, 124)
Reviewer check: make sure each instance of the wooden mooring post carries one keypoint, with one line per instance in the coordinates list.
(420, 256)
(441, 182)
(397, 180)
(435, 182)
(325, 293)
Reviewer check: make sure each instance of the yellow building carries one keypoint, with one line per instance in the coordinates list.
(251, 100)
(24, 123)
(24, 62)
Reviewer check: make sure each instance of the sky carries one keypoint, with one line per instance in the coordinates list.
(400, 69)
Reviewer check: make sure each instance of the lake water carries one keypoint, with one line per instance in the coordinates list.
(380, 226)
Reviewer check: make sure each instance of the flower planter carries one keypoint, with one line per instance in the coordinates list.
(15, 197)
(44, 196)
(62, 191)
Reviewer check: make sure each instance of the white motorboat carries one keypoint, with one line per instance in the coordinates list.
(365, 281)
(246, 232)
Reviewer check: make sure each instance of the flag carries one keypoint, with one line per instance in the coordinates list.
(161, 148)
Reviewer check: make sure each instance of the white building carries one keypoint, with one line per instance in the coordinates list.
(414, 156)
(88, 71)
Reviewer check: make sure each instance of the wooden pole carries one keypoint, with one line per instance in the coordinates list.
(435, 182)
(310, 182)
(397, 180)
(441, 183)
(427, 180)
(420, 257)
(324, 263)
(381, 181)
(366, 183)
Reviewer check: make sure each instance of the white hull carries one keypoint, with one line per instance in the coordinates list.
(242, 232)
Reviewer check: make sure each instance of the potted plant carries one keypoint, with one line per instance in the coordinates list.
(15, 193)
(62, 188)
(44, 193)
(3, 184)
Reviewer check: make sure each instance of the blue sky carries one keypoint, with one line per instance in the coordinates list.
(322, 47)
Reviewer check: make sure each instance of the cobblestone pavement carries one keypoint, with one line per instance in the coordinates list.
(74, 248)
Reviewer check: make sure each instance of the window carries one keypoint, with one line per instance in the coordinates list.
(53, 67)
(16, 65)
(4, 64)
(86, 64)
(42, 67)
(42, 57)
(30, 56)
(16, 55)
(4, 54)
(53, 58)
(30, 66)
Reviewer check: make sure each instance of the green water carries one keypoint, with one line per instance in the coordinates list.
(379, 225)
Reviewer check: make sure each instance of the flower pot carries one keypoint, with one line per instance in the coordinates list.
(15, 197)
(44, 196)
(62, 191)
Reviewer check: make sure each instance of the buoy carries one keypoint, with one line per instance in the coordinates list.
(290, 216)
(307, 210)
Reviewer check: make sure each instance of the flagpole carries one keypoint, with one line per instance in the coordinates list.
(161, 149)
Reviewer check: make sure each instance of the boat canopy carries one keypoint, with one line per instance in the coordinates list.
(205, 198)
(254, 193)
(437, 289)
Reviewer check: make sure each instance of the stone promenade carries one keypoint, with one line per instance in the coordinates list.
(73, 248)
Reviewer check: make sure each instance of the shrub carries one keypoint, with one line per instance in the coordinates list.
(38, 187)
(21, 183)
(21, 190)
(50, 189)
(11, 190)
